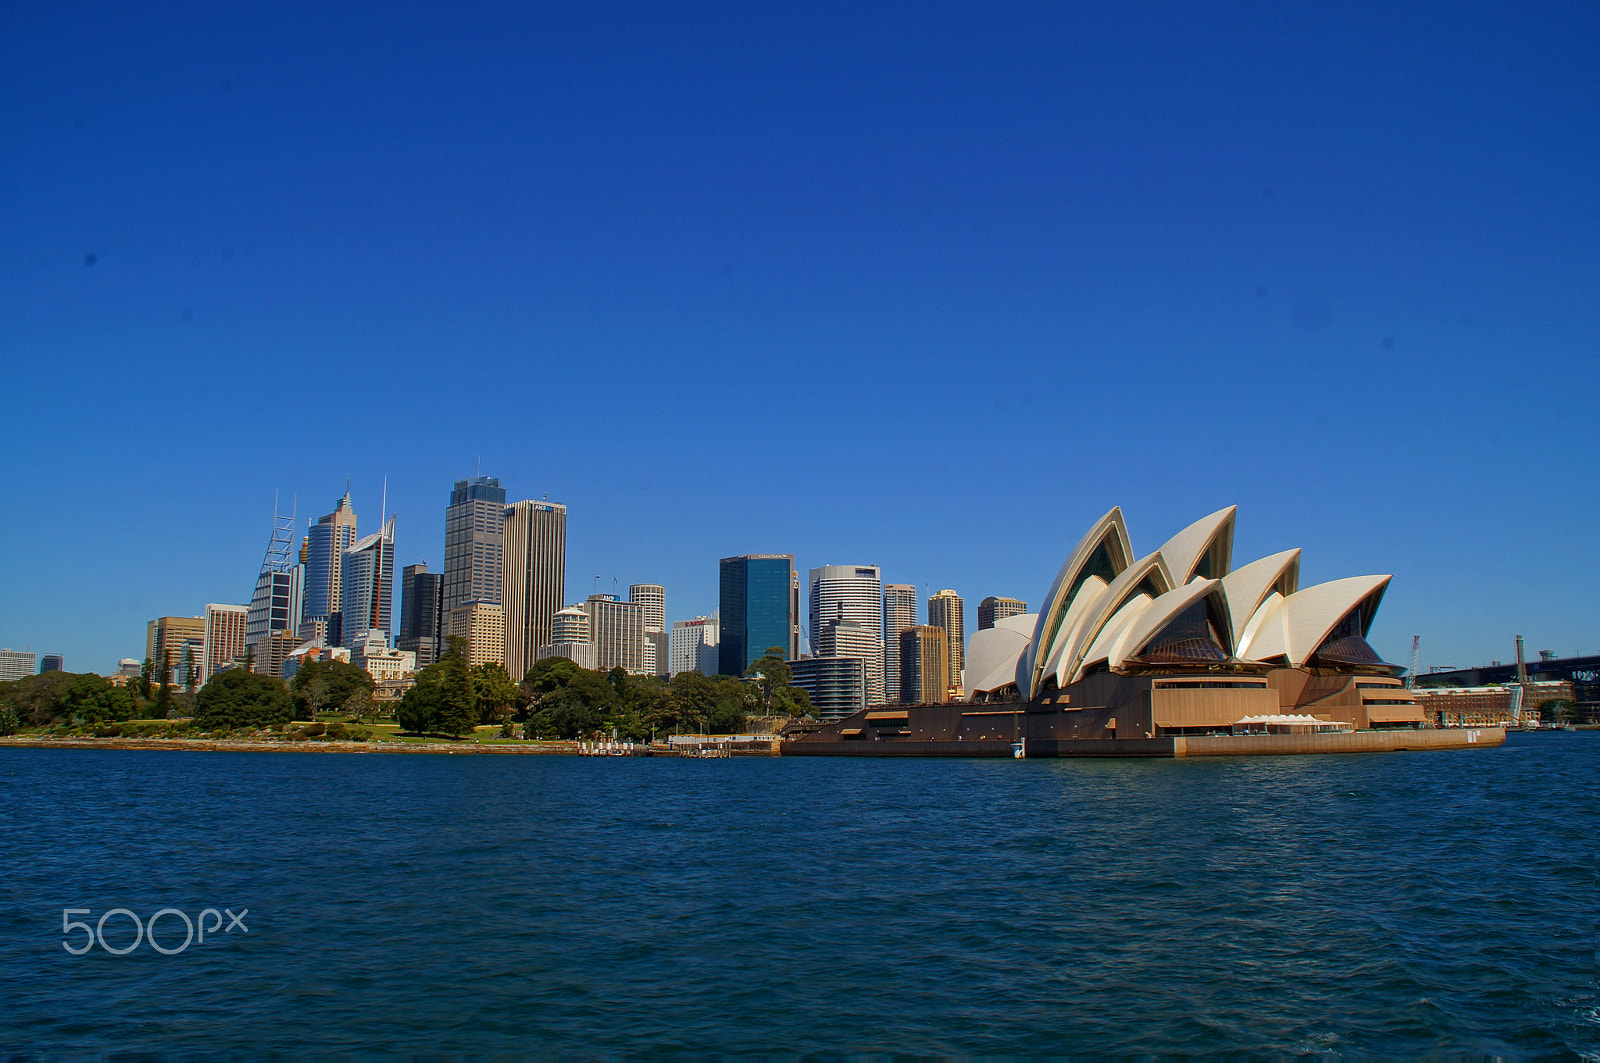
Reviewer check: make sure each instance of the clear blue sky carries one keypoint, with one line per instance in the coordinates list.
(926, 285)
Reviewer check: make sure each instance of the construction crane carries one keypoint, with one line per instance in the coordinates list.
(1416, 657)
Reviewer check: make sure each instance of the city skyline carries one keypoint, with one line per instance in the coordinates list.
(1326, 250)
(575, 595)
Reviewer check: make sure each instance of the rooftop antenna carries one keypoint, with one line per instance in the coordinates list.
(280, 544)
(597, 583)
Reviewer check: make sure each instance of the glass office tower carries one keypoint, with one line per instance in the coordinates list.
(760, 607)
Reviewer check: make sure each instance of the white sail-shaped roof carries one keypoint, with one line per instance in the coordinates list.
(1161, 613)
(1116, 595)
(1109, 640)
(1246, 588)
(1266, 614)
(1088, 593)
(992, 653)
(1104, 552)
(1107, 607)
(1204, 548)
(1304, 619)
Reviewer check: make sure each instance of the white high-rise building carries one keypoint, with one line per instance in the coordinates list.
(850, 593)
(367, 586)
(17, 664)
(694, 645)
(653, 596)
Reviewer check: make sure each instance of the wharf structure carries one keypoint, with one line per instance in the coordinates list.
(1175, 653)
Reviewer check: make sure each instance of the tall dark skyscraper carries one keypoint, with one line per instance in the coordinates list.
(474, 542)
(760, 607)
(534, 579)
(420, 627)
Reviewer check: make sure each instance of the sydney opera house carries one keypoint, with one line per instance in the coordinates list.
(1171, 654)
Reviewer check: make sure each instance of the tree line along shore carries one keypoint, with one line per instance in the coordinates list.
(452, 704)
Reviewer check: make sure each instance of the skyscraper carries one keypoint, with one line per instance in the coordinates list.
(694, 646)
(16, 664)
(653, 596)
(946, 610)
(534, 535)
(275, 607)
(474, 542)
(899, 614)
(850, 594)
(992, 609)
(326, 543)
(368, 591)
(421, 628)
(52, 662)
(924, 665)
(617, 629)
(760, 608)
(657, 645)
(173, 635)
(224, 637)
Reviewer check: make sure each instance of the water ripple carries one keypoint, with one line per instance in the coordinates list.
(511, 907)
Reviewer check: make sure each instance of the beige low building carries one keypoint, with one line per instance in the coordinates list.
(483, 626)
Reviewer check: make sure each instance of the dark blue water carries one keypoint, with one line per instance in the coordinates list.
(1392, 905)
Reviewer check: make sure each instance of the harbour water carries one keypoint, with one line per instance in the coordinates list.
(1390, 904)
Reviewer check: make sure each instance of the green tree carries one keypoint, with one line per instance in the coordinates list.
(318, 684)
(8, 720)
(1557, 710)
(240, 698)
(493, 692)
(567, 701)
(443, 700)
(792, 701)
(90, 699)
(190, 674)
(145, 673)
(772, 672)
(38, 700)
(164, 702)
(358, 706)
(691, 698)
